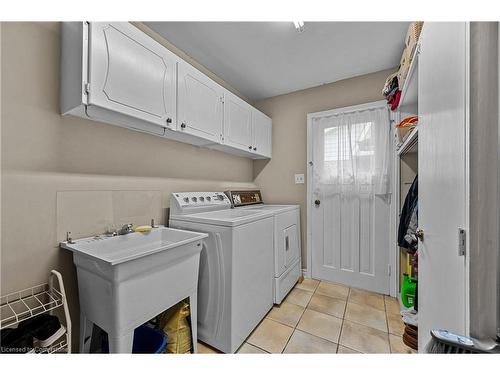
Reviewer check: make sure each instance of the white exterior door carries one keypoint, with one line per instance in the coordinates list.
(442, 180)
(349, 229)
(237, 122)
(199, 103)
(262, 134)
(131, 74)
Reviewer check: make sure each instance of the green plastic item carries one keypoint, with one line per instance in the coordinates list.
(408, 290)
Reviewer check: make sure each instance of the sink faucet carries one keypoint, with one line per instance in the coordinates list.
(126, 229)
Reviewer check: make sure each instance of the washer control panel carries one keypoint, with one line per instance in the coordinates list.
(197, 199)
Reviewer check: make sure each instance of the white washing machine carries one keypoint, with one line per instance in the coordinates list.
(287, 255)
(235, 284)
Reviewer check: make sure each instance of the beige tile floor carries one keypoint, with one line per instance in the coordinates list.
(321, 317)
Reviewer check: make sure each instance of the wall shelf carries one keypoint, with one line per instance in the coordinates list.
(410, 144)
(409, 92)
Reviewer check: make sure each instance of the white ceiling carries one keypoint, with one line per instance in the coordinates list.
(264, 59)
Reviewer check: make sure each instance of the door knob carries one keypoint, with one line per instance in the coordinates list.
(169, 120)
(255, 148)
(420, 234)
(317, 202)
(183, 125)
(249, 147)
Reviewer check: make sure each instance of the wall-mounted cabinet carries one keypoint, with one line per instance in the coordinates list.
(199, 104)
(114, 73)
(237, 123)
(262, 134)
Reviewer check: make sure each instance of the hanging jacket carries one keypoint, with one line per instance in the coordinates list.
(406, 214)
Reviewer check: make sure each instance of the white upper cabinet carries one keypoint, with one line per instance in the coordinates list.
(237, 123)
(199, 103)
(112, 72)
(131, 74)
(262, 134)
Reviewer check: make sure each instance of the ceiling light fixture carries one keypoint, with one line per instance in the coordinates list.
(299, 25)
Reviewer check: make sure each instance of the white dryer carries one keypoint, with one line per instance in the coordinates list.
(235, 287)
(287, 254)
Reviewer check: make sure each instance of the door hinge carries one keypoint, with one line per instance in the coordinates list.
(222, 99)
(86, 88)
(461, 241)
(389, 270)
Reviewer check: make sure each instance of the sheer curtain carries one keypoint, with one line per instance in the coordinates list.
(351, 154)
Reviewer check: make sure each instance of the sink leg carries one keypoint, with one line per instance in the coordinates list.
(193, 310)
(86, 327)
(121, 344)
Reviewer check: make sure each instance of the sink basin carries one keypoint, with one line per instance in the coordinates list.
(127, 280)
(119, 249)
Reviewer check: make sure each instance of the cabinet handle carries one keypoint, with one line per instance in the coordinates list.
(255, 148)
(183, 125)
(287, 244)
(169, 120)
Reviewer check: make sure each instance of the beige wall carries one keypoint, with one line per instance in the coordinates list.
(289, 114)
(109, 170)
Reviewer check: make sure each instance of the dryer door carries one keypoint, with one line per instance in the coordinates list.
(291, 245)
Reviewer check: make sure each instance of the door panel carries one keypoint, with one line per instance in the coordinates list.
(353, 255)
(199, 103)
(262, 133)
(442, 179)
(131, 74)
(237, 122)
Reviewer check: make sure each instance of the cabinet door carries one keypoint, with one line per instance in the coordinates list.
(262, 134)
(442, 178)
(199, 102)
(131, 74)
(237, 122)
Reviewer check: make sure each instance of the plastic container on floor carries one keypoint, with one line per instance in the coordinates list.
(408, 290)
(147, 340)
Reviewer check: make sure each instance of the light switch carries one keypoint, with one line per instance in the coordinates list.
(299, 178)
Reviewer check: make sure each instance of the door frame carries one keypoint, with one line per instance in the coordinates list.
(392, 234)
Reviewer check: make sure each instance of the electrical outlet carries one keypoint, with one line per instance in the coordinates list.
(299, 178)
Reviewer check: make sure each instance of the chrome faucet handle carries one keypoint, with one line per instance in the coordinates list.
(127, 228)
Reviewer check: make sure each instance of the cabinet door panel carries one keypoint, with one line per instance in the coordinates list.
(237, 122)
(262, 134)
(199, 103)
(131, 74)
(442, 178)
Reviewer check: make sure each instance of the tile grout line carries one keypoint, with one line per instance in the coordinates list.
(343, 319)
(388, 330)
(301, 315)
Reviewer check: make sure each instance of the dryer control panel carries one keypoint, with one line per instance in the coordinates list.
(244, 197)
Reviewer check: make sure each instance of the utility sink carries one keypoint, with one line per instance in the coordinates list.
(124, 281)
(119, 249)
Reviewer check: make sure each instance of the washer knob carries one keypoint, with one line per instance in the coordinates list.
(209, 199)
(220, 197)
(201, 199)
(186, 199)
(194, 199)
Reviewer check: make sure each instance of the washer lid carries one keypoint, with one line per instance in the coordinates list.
(275, 208)
(229, 217)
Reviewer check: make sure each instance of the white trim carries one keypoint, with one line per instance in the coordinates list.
(395, 207)
(310, 116)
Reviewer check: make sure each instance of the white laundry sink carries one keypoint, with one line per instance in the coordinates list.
(125, 281)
